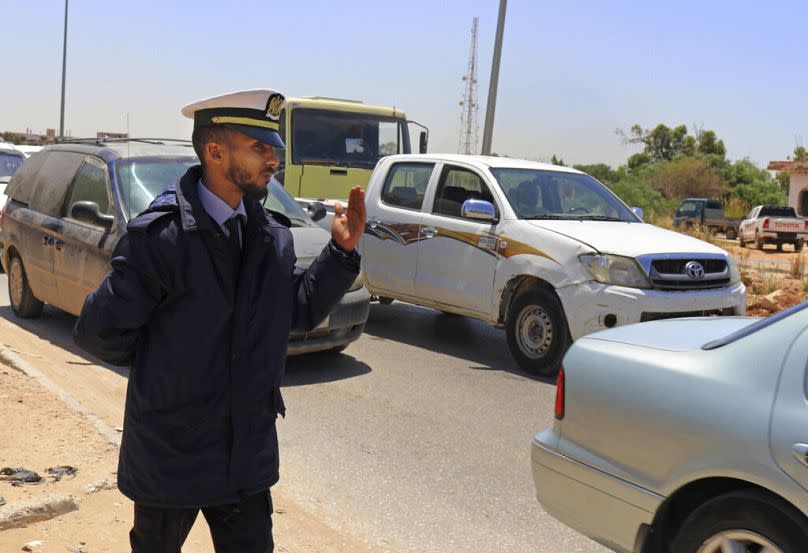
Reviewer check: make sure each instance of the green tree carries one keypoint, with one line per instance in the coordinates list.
(800, 153)
(686, 177)
(784, 180)
(709, 144)
(557, 161)
(12, 137)
(602, 172)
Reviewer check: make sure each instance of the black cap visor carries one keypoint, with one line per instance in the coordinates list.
(267, 136)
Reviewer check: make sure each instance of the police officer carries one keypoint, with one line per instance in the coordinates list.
(202, 295)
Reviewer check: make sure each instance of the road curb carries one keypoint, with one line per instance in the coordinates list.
(14, 361)
(23, 514)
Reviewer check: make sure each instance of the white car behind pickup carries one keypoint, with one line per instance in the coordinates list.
(547, 252)
(770, 224)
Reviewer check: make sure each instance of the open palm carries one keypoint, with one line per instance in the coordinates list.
(348, 226)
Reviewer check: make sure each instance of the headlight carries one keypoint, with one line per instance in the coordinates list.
(357, 284)
(734, 271)
(615, 269)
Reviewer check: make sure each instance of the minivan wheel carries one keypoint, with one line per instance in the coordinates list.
(744, 520)
(537, 332)
(23, 301)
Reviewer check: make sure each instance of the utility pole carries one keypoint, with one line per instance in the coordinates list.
(64, 69)
(469, 107)
(492, 86)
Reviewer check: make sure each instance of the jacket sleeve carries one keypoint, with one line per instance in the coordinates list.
(319, 288)
(113, 316)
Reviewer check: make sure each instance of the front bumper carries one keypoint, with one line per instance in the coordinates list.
(600, 506)
(345, 324)
(589, 304)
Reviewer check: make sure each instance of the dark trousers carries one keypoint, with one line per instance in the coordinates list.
(244, 527)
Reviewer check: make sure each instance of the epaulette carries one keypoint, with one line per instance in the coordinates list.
(162, 205)
(280, 217)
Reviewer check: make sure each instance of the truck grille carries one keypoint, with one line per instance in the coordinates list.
(680, 272)
(655, 316)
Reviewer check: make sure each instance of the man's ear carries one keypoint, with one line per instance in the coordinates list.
(214, 151)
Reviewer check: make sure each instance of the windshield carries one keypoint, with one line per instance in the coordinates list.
(346, 139)
(141, 179)
(538, 194)
(278, 199)
(10, 162)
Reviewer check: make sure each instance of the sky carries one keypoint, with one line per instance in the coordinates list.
(571, 72)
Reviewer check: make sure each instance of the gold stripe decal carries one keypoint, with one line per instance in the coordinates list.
(245, 121)
(497, 245)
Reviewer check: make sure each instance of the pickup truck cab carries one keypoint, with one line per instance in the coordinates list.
(546, 252)
(772, 224)
(705, 213)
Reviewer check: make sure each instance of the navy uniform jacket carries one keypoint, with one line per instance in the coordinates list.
(207, 351)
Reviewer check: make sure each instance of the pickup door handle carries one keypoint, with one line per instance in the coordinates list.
(801, 453)
(47, 240)
(429, 232)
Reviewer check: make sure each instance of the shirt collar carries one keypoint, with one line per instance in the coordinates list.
(217, 208)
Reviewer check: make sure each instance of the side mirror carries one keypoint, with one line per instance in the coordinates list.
(422, 142)
(88, 212)
(479, 210)
(316, 210)
(638, 211)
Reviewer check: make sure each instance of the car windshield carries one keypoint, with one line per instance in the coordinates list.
(278, 199)
(324, 137)
(10, 162)
(141, 179)
(541, 194)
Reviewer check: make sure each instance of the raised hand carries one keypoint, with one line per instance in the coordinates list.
(347, 228)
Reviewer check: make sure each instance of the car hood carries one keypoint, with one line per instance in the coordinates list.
(674, 334)
(309, 242)
(628, 239)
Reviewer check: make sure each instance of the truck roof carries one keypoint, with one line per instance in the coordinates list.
(338, 104)
(487, 161)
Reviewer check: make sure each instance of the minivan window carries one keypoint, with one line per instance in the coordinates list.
(53, 181)
(91, 185)
(10, 162)
(141, 179)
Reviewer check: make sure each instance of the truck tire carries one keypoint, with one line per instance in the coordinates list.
(22, 299)
(746, 520)
(779, 246)
(537, 333)
(741, 241)
(798, 245)
(758, 241)
(731, 234)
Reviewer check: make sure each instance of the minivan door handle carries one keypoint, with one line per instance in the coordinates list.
(47, 240)
(801, 453)
(59, 244)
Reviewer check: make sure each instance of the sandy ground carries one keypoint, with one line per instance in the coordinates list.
(39, 431)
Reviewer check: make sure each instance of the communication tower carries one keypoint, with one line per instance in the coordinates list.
(468, 105)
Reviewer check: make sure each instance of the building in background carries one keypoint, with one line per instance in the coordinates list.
(798, 183)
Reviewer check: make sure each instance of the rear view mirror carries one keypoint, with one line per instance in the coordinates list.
(88, 212)
(479, 210)
(638, 211)
(422, 142)
(316, 210)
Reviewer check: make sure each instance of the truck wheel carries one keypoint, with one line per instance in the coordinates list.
(537, 331)
(798, 245)
(741, 241)
(758, 241)
(779, 246)
(731, 234)
(23, 302)
(745, 520)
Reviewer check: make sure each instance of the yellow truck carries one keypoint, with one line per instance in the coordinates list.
(333, 145)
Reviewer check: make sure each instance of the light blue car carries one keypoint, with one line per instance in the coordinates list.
(683, 436)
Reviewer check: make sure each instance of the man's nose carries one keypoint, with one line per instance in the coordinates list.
(272, 158)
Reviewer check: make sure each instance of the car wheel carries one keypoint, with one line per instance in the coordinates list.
(758, 241)
(798, 245)
(537, 331)
(741, 241)
(746, 520)
(731, 234)
(22, 299)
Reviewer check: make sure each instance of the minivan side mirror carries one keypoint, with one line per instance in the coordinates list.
(88, 212)
(316, 210)
(638, 211)
(422, 142)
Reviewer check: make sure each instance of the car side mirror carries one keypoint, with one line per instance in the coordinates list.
(479, 210)
(316, 210)
(422, 142)
(88, 212)
(638, 211)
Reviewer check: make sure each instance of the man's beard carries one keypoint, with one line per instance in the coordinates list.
(249, 188)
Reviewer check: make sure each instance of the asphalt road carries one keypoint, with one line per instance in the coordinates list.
(416, 438)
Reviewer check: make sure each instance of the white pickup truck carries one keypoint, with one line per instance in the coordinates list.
(772, 224)
(546, 252)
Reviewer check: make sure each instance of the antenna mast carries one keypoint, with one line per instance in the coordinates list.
(468, 112)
